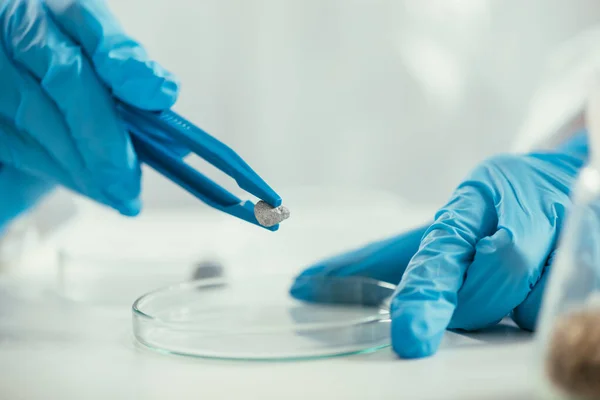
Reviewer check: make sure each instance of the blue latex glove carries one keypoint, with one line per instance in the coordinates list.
(486, 255)
(62, 64)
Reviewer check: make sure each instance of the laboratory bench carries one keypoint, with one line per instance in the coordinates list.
(52, 347)
(50, 350)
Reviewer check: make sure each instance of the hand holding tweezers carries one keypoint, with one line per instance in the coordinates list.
(158, 138)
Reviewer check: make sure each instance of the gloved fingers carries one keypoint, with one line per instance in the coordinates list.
(24, 108)
(384, 260)
(20, 192)
(508, 264)
(526, 314)
(498, 280)
(121, 62)
(108, 160)
(19, 152)
(427, 294)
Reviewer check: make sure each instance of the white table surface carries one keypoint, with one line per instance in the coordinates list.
(54, 348)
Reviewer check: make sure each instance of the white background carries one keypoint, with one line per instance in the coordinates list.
(404, 96)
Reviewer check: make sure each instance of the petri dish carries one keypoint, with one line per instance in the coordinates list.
(263, 318)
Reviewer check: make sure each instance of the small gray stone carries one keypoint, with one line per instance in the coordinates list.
(268, 216)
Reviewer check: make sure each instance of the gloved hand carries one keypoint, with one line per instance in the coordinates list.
(62, 65)
(486, 255)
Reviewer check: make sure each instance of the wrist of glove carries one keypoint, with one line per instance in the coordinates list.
(486, 255)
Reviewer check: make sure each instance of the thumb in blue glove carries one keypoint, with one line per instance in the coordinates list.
(63, 64)
(486, 255)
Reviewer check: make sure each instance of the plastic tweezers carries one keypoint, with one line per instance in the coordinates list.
(160, 137)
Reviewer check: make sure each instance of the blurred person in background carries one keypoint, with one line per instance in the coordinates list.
(385, 88)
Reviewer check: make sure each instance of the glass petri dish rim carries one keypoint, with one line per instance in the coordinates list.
(305, 327)
(259, 359)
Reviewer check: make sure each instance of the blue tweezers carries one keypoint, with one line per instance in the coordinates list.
(162, 139)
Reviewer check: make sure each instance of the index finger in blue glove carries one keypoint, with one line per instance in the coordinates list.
(121, 62)
(427, 294)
